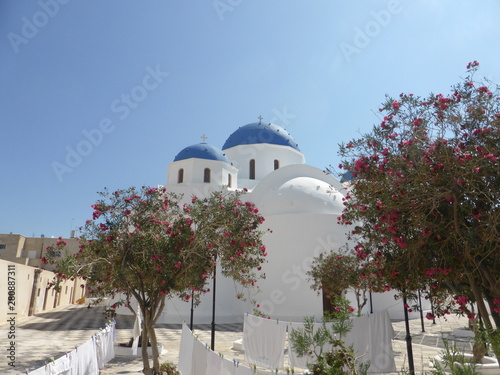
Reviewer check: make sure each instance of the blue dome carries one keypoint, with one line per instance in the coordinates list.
(260, 133)
(202, 151)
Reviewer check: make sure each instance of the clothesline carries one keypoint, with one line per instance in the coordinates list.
(87, 359)
(370, 336)
(196, 358)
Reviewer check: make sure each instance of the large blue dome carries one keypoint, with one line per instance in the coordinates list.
(202, 151)
(260, 133)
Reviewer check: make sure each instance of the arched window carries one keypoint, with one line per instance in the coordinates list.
(229, 181)
(206, 175)
(180, 176)
(276, 164)
(252, 169)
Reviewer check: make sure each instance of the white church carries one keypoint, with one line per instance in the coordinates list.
(300, 203)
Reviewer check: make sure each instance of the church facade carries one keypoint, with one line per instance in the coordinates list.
(300, 203)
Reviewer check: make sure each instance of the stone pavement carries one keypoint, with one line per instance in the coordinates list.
(54, 333)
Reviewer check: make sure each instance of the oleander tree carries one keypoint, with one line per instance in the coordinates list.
(425, 195)
(335, 273)
(143, 245)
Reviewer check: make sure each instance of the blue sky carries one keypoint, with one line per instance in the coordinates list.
(98, 94)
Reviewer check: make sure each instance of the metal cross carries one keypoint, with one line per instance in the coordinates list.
(204, 137)
(260, 119)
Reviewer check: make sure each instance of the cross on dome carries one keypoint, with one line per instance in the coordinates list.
(260, 119)
(204, 137)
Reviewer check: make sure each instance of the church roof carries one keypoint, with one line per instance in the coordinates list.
(260, 133)
(202, 151)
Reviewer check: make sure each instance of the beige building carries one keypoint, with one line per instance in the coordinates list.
(26, 278)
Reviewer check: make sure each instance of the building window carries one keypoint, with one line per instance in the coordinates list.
(276, 164)
(180, 176)
(252, 169)
(229, 182)
(2, 246)
(206, 175)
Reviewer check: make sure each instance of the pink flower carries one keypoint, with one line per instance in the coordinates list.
(472, 64)
(351, 309)
(462, 300)
(430, 316)
(178, 265)
(226, 234)
(417, 122)
(396, 105)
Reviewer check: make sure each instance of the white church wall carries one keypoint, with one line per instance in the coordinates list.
(264, 155)
(194, 171)
(296, 239)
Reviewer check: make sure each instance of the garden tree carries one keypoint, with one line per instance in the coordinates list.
(335, 273)
(426, 193)
(143, 244)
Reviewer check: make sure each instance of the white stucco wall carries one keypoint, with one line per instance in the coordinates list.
(24, 278)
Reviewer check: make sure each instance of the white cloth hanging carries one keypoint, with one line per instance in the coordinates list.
(73, 362)
(264, 341)
(186, 350)
(214, 363)
(371, 338)
(359, 338)
(104, 345)
(228, 367)
(199, 359)
(87, 359)
(381, 335)
(61, 366)
(136, 332)
(38, 371)
(244, 370)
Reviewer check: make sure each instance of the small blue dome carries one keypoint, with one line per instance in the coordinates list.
(260, 133)
(202, 151)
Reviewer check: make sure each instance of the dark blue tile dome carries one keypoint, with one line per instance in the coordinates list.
(202, 151)
(260, 133)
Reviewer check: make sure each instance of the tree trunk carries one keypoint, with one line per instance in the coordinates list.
(490, 331)
(154, 349)
(145, 359)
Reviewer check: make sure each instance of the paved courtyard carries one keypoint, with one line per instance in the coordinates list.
(54, 333)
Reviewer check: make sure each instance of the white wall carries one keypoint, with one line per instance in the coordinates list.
(24, 279)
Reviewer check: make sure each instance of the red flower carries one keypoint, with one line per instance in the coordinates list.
(396, 105)
(462, 300)
(430, 316)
